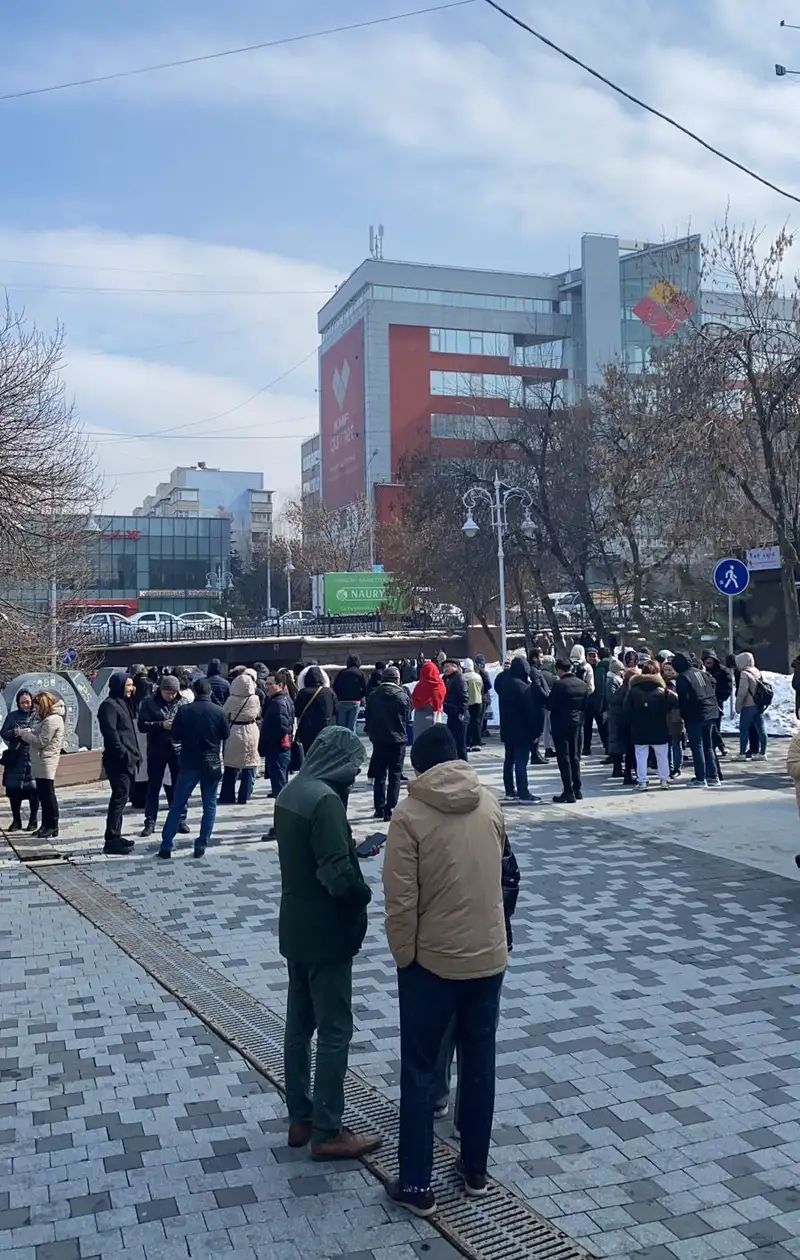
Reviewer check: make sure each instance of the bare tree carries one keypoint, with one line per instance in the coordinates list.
(324, 540)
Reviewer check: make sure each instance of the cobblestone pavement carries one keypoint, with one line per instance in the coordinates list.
(648, 1074)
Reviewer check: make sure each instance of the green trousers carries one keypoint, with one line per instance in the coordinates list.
(319, 998)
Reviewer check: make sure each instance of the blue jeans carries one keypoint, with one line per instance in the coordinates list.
(706, 769)
(278, 770)
(347, 713)
(428, 1004)
(187, 782)
(676, 756)
(515, 770)
(751, 716)
(227, 792)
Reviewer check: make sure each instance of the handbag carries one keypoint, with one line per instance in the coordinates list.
(297, 754)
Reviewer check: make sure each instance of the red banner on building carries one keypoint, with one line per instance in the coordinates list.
(342, 419)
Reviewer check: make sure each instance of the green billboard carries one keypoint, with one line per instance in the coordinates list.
(355, 592)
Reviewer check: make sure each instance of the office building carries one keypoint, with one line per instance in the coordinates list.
(438, 358)
(310, 470)
(199, 492)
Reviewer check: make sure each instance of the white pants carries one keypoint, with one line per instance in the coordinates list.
(662, 761)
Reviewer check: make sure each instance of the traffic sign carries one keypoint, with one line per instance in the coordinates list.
(731, 577)
(69, 656)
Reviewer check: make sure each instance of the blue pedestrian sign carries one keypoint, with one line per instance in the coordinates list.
(69, 656)
(731, 577)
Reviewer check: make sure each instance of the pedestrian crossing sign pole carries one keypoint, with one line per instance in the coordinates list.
(731, 577)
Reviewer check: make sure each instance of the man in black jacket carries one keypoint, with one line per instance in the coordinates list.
(456, 705)
(387, 717)
(519, 727)
(350, 688)
(567, 704)
(724, 685)
(156, 715)
(277, 728)
(480, 666)
(220, 687)
(697, 696)
(201, 729)
(121, 757)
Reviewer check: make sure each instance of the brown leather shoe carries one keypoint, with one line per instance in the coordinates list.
(346, 1145)
(300, 1134)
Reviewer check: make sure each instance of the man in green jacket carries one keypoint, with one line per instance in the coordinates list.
(323, 921)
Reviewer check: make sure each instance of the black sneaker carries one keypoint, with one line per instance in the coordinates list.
(379, 813)
(148, 829)
(420, 1202)
(269, 835)
(183, 829)
(118, 848)
(475, 1184)
(199, 852)
(564, 799)
(15, 826)
(164, 855)
(578, 794)
(387, 815)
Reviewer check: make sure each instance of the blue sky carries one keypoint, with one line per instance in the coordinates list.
(470, 142)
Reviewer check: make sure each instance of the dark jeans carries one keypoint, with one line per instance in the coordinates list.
(427, 1005)
(474, 725)
(457, 726)
(120, 779)
(752, 719)
(387, 764)
(15, 800)
(319, 998)
(568, 754)
(227, 793)
(347, 714)
(706, 769)
(676, 755)
(46, 790)
(187, 782)
(157, 762)
(515, 770)
(717, 742)
(589, 720)
(278, 769)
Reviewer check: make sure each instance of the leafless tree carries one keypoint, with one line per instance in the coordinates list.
(325, 540)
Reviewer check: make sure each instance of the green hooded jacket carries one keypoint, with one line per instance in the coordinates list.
(323, 916)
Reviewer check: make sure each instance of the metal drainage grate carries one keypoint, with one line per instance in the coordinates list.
(498, 1227)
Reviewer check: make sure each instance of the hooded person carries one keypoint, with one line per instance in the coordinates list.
(220, 687)
(446, 929)
(583, 670)
(724, 685)
(322, 924)
(697, 697)
(240, 752)
(474, 704)
(315, 706)
(427, 698)
(747, 706)
(521, 723)
(386, 725)
(156, 715)
(262, 674)
(350, 689)
(18, 779)
(121, 757)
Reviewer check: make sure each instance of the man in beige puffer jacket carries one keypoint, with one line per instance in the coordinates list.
(446, 928)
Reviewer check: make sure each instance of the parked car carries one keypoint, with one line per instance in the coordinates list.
(298, 621)
(105, 627)
(159, 625)
(205, 621)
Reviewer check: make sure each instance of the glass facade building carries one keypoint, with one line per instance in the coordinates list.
(161, 562)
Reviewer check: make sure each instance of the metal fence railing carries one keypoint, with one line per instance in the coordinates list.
(323, 626)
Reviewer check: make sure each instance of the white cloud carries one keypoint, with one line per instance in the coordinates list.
(139, 362)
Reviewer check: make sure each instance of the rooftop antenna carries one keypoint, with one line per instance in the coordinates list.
(376, 242)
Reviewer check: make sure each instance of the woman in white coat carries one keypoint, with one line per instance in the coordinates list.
(240, 754)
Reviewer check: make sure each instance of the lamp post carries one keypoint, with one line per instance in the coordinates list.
(289, 570)
(498, 504)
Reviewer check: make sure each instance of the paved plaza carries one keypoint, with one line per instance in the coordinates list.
(648, 1093)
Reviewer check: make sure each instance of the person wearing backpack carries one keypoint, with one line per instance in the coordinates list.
(752, 698)
(697, 697)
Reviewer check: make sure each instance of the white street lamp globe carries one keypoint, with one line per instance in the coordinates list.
(470, 527)
(528, 526)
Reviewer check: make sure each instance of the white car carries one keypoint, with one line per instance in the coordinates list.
(105, 627)
(158, 625)
(204, 621)
(299, 619)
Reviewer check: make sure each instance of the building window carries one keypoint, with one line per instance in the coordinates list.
(466, 428)
(461, 341)
(446, 297)
(477, 385)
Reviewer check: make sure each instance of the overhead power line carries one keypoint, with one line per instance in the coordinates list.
(232, 52)
(628, 96)
(91, 288)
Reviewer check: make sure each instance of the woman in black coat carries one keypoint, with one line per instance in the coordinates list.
(315, 707)
(18, 778)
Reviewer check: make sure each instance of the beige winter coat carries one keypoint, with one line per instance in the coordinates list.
(46, 740)
(243, 708)
(793, 763)
(749, 677)
(442, 876)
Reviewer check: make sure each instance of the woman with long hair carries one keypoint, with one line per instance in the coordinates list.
(46, 740)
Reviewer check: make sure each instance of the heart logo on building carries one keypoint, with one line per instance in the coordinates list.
(341, 377)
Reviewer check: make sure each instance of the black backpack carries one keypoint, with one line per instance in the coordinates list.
(763, 695)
